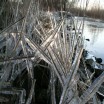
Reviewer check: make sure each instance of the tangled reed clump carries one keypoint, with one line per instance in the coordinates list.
(39, 59)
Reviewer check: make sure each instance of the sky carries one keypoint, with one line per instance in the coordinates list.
(96, 2)
(92, 3)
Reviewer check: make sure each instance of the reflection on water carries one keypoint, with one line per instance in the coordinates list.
(95, 33)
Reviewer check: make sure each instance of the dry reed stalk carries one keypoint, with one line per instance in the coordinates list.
(40, 36)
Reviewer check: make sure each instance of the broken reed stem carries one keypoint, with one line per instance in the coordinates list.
(93, 88)
(71, 77)
(53, 95)
(32, 92)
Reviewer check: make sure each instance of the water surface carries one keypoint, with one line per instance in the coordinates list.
(95, 32)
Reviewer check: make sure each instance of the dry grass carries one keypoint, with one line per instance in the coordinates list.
(39, 36)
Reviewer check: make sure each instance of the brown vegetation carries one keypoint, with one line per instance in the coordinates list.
(53, 4)
(40, 59)
(95, 13)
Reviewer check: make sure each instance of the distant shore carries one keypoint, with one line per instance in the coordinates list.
(95, 13)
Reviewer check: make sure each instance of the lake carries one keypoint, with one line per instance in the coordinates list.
(94, 30)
